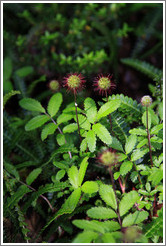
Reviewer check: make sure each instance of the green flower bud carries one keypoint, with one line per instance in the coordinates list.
(146, 101)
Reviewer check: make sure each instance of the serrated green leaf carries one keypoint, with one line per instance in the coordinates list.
(60, 174)
(92, 225)
(83, 122)
(102, 133)
(85, 237)
(36, 122)
(144, 120)
(160, 110)
(72, 201)
(130, 143)
(60, 165)
(116, 175)
(156, 176)
(138, 131)
(128, 201)
(135, 218)
(24, 71)
(73, 176)
(60, 139)
(64, 118)
(83, 145)
(156, 129)
(82, 170)
(108, 108)
(142, 143)
(154, 117)
(32, 105)
(101, 213)
(125, 167)
(90, 109)
(148, 187)
(108, 196)
(33, 175)
(91, 140)
(136, 155)
(116, 144)
(70, 128)
(48, 130)
(54, 104)
(90, 187)
(108, 237)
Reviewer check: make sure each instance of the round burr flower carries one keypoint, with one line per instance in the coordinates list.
(74, 82)
(108, 157)
(146, 101)
(104, 84)
(54, 85)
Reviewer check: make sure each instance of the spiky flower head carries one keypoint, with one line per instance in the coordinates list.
(74, 82)
(104, 84)
(54, 85)
(108, 157)
(146, 101)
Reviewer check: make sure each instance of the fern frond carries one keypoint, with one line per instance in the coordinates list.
(142, 66)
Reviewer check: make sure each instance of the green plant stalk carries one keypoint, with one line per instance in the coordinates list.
(113, 186)
(148, 134)
(70, 155)
(75, 102)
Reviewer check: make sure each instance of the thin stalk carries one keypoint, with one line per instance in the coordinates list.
(148, 134)
(70, 155)
(122, 186)
(30, 187)
(113, 186)
(77, 116)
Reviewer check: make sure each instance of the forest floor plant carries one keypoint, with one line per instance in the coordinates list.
(125, 208)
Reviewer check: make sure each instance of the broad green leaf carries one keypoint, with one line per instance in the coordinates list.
(121, 157)
(102, 133)
(134, 176)
(90, 109)
(83, 122)
(32, 105)
(138, 131)
(70, 128)
(7, 68)
(108, 108)
(90, 187)
(72, 201)
(25, 71)
(125, 167)
(156, 176)
(60, 174)
(128, 201)
(135, 218)
(60, 139)
(154, 117)
(83, 145)
(33, 175)
(85, 237)
(92, 225)
(144, 120)
(36, 122)
(110, 225)
(82, 170)
(116, 175)
(142, 143)
(54, 104)
(130, 143)
(91, 140)
(116, 144)
(108, 237)
(48, 130)
(136, 155)
(160, 110)
(101, 213)
(59, 165)
(73, 176)
(148, 187)
(108, 196)
(156, 129)
(64, 118)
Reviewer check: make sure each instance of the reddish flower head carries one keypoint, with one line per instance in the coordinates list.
(104, 84)
(74, 82)
(108, 157)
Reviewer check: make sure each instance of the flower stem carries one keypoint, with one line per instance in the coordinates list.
(148, 134)
(113, 186)
(77, 116)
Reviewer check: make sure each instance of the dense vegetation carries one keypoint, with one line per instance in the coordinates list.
(83, 123)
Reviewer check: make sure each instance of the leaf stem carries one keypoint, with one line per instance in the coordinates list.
(77, 115)
(113, 186)
(60, 131)
(148, 134)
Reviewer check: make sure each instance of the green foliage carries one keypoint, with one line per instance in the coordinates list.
(125, 205)
(142, 66)
(36, 122)
(33, 175)
(90, 109)
(89, 187)
(8, 96)
(102, 133)
(47, 130)
(32, 105)
(108, 108)
(135, 218)
(101, 213)
(107, 194)
(130, 143)
(54, 104)
(91, 140)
